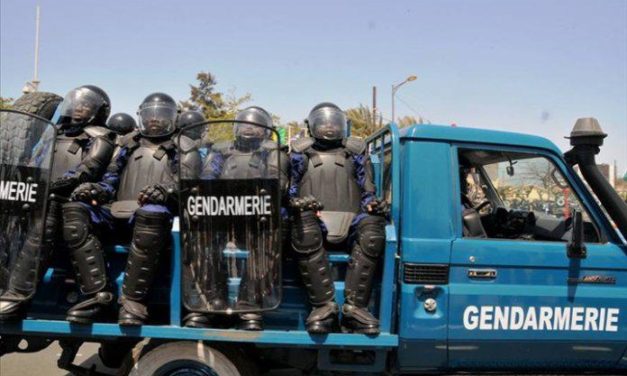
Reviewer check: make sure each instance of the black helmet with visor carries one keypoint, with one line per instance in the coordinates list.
(157, 115)
(327, 122)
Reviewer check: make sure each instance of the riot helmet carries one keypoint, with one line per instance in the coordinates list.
(248, 133)
(157, 115)
(188, 118)
(121, 123)
(326, 121)
(85, 105)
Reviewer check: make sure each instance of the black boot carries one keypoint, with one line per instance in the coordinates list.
(152, 230)
(251, 321)
(87, 258)
(29, 265)
(314, 266)
(316, 273)
(359, 277)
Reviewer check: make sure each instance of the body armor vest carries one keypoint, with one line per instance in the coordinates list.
(70, 150)
(240, 164)
(330, 177)
(147, 164)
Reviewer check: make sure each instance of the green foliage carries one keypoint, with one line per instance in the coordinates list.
(215, 105)
(6, 103)
(363, 121)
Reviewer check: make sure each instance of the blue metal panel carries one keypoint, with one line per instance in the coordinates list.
(461, 134)
(426, 236)
(175, 284)
(267, 337)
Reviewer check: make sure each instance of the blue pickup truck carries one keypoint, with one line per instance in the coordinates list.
(499, 257)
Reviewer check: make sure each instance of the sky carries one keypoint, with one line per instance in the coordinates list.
(523, 66)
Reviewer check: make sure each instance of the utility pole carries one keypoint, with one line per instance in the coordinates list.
(374, 107)
(33, 86)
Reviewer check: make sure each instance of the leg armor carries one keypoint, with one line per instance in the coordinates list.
(367, 249)
(150, 238)
(87, 258)
(30, 264)
(315, 269)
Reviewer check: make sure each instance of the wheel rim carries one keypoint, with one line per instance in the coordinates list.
(185, 368)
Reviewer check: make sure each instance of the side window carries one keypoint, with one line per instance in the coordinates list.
(519, 196)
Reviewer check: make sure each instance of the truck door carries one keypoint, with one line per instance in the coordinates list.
(516, 299)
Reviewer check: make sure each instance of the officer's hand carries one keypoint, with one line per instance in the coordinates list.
(378, 207)
(153, 194)
(91, 193)
(305, 203)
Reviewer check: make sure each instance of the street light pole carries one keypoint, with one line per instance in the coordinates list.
(395, 89)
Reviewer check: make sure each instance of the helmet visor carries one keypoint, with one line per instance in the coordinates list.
(156, 121)
(250, 131)
(328, 124)
(81, 105)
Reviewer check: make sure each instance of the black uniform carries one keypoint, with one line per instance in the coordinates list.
(142, 178)
(83, 150)
(332, 172)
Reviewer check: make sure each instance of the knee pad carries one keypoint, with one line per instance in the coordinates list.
(76, 225)
(151, 229)
(306, 233)
(371, 235)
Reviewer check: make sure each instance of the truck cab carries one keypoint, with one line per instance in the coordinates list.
(499, 257)
(485, 277)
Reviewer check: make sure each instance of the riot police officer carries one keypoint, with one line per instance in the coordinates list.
(251, 155)
(121, 123)
(83, 150)
(142, 178)
(331, 171)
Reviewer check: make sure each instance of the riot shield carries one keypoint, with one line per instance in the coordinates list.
(230, 221)
(26, 149)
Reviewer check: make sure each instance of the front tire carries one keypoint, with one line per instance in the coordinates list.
(182, 358)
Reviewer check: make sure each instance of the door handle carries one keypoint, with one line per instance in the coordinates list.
(482, 273)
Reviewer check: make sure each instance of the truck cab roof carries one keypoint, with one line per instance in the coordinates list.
(448, 133)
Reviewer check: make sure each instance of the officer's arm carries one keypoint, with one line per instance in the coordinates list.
(212, 166)
(280, 167)
(297, 165)
(93, 166)
(365, 180)
(111, 179)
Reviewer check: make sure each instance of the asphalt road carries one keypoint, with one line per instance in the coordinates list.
(44, 363)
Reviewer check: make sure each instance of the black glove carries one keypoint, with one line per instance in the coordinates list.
(378, 207)
(91, 193)
(153, 194)
(305, 203)
(64, 186)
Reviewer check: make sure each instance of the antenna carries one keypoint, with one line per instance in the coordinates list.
(33, 85)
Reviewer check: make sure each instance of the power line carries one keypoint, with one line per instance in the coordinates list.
(412, 109)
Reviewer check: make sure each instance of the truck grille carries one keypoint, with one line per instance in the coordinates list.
(432, 274)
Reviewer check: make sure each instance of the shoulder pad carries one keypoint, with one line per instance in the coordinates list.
(302, 144)
(222, 147)
(271, 145)
(185, 143)
(97, 131)
(127, 139)
(355, 145)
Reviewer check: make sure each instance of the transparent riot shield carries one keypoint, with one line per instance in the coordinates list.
(26, 149)
(230, 219)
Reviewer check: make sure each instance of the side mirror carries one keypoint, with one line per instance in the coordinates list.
(575, 247)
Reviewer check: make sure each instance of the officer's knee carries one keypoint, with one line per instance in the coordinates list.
(371, 235)
(76, 224)
(306, 233)
(151, 229)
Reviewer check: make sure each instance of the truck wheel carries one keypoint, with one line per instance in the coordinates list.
(183, 358)
(23, 138)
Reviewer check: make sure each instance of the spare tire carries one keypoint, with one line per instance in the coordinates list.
(41, 104)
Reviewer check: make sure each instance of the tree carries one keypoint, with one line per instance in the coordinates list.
(5, 103)
(363, 123)
(215, 105)
(406, 121)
